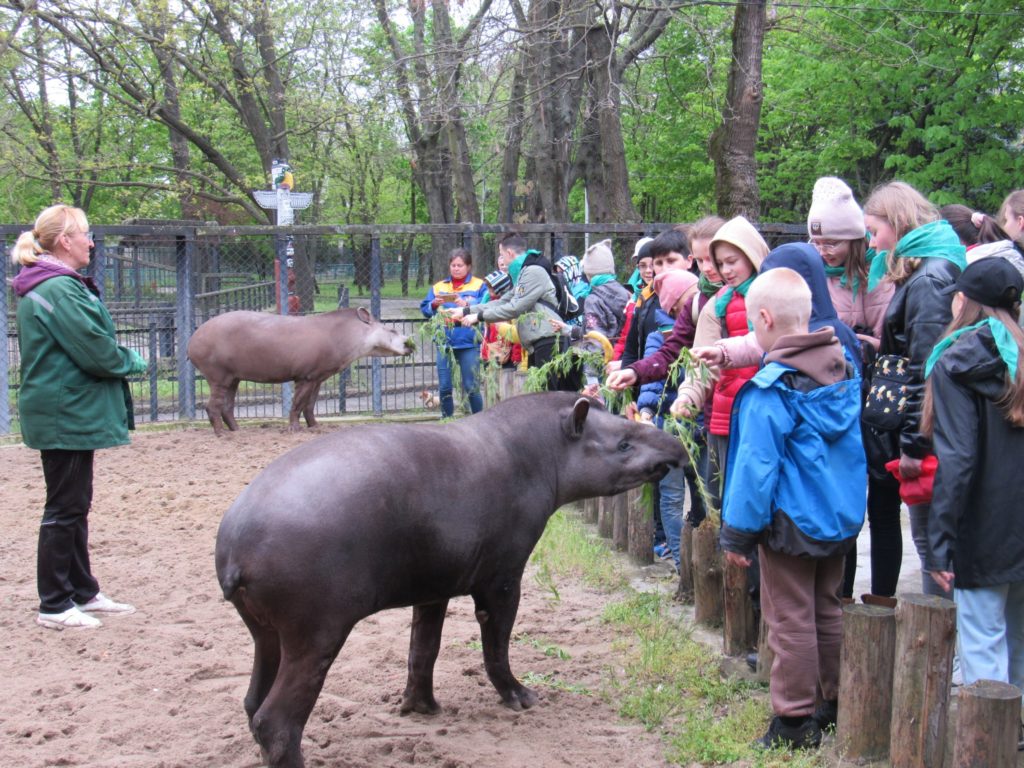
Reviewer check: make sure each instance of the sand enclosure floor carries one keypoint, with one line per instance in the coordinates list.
(164, 686)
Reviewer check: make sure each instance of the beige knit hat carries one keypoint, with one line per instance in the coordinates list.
(598, 259)
(834, 213)
(742, 234)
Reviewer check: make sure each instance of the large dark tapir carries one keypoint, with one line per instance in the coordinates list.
(306, 349)
(382, 516)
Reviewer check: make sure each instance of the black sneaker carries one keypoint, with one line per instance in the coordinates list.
(752, 661)
(826, 715)
(801, 733)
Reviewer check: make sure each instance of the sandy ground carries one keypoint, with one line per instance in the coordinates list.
(164, 686)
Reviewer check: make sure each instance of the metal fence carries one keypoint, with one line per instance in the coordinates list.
(161, 280)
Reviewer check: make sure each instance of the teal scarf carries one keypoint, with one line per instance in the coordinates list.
(935, 240)
(595, 281)
(1005, 344)
(706, 287)
(722, 302)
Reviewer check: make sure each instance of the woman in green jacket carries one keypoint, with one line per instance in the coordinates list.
(73, 399)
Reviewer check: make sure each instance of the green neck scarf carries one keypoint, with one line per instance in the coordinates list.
(595, 281)
(935, 240)
(722, 302)
(707, 287)
(1005, 344)
(636, 283)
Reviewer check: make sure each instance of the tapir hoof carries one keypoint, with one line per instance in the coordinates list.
(425, 705)
(520, 698)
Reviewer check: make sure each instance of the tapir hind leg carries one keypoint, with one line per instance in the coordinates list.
(496, 609)
(215, 406)
(228, 410)
(279, 722)
(265, 662)
(424, 644)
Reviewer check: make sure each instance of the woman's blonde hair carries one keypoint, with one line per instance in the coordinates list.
(905, 209)
(1012, 401)
(53, 222)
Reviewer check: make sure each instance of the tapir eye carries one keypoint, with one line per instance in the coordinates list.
(624, 446)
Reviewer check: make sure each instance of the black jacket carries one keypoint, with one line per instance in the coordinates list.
(917, 318)
(975, 528)
(643, 324)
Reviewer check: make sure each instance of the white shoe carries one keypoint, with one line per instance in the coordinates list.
(72, 618)
(103, 604)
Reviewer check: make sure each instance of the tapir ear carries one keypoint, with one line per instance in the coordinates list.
(578, 417)
(364, 314)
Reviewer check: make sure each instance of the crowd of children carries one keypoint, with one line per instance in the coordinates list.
(799, 437)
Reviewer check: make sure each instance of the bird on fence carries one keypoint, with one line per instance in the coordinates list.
(430, 400)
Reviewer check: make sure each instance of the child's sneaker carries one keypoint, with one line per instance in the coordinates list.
(662, 552)
(72, 618)
(103, 604)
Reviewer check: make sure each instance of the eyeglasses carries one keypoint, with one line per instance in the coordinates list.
(827, 246)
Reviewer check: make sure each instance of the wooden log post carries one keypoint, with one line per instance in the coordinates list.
(739, 630)
(925, 632)
(620, 521)
(684, 592)
(987, 724)
(641, 527)
(866, 670)
(765, 654)
(605, 517)
(707, 575)
(590, 508)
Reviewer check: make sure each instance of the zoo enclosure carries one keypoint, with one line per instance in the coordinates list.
(161, 280)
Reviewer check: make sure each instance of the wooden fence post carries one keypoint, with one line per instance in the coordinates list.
(605, 517)
(684, 592)
(620, 521)
(987, 724)
(765, 654)
(739, 631)
(865, 672)
(641, 528)
(707, 575)
(589, 509)
(925, 630)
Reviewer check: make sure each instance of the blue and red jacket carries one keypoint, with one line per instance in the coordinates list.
(472, 290)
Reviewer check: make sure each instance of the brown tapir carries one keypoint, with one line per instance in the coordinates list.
(306, 349)
(381, 516)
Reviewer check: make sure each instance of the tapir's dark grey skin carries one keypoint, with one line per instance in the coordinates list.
(306, 349)
(382, 516)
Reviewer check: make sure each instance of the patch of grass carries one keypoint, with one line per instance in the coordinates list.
(674, 684)
(567, 548)
(537, 679)
(548, 649)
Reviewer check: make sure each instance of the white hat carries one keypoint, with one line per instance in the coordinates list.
(834, 213)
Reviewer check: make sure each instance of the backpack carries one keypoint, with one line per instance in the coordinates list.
(568, 307)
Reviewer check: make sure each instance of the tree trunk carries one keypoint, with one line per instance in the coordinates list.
(925, 630)
(734, 141)
(865, 671)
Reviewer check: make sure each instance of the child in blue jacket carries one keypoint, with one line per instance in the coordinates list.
(795, 489)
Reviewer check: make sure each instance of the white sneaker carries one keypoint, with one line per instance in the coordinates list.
(103, 604)
(72, 618)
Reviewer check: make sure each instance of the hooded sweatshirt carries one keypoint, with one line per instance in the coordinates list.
(974, 526)
(731, 312)
(796, 477)
(73, 393)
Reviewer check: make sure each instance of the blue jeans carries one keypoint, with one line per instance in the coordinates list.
(468, 359)
(672, 489)
(990, 633)
(919, 531)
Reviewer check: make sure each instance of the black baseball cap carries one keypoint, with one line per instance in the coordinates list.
(992, 281)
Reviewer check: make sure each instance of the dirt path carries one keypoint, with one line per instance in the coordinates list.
(164, 687)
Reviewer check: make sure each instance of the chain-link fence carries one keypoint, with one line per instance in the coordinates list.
(161, 280)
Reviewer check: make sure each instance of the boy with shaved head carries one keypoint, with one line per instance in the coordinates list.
(796, 482)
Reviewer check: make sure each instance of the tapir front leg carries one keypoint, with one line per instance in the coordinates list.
(496, 609)
(424, 644)
(310, 404)
(304, 388)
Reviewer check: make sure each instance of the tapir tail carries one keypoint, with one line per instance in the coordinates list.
(229, 579)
